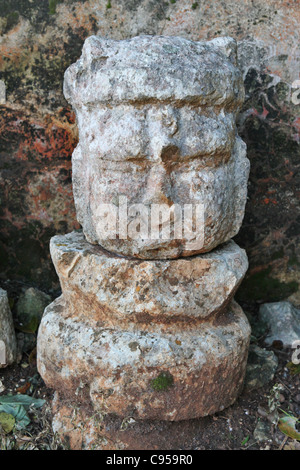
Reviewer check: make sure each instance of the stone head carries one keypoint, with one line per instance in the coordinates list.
(156, 118)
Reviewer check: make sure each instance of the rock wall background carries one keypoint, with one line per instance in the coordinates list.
(41, 38)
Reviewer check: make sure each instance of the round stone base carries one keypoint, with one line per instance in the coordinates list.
(118, 290)
(80, 428)
(140, 374)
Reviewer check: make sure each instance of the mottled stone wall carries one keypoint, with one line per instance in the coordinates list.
(41, 38)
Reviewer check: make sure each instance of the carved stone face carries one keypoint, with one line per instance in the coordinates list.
(162, 143)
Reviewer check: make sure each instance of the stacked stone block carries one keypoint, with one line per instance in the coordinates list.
(146, 329)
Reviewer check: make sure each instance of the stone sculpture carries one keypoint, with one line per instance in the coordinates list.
(146, 327)
(156, 124)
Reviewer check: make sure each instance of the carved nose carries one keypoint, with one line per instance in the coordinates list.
(162, 126)
(169, 154)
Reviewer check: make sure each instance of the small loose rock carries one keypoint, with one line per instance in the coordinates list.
(8, 347)
(283, 322)
(262, 432)
(262, 365)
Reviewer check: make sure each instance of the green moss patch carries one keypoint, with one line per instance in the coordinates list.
(262, 287)
(52, 6)
(162, 382)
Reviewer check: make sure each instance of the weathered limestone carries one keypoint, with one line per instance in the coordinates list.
(154, 374)
(120, 290)
(156, 120)
(82, 428)
(146, 328)
(148, 339)
(8, 346)
(156, 68)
